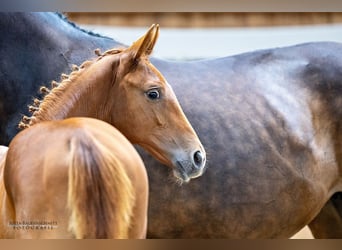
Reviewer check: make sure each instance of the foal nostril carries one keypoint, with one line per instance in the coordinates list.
(198, 159)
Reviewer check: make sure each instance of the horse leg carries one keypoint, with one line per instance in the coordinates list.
(328, 223)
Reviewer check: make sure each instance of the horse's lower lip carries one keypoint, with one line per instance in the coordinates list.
(181, 176)
(185, 173)
(182, 172)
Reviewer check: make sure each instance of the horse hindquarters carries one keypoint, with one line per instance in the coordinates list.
(69, 168)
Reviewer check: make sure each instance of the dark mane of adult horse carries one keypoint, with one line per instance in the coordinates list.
(270, 121)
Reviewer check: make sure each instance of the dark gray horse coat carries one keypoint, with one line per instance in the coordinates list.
(270, 121)
(271, 124)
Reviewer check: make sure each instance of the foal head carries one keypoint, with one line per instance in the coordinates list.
(124, 89)
(145, 109)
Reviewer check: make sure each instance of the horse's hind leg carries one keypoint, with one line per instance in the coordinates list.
(328, 223)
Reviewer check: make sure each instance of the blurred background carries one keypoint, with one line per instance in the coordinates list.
(188, 36)
(206, 19)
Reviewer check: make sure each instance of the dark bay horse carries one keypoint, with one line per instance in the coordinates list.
(271, 124)
(72, 178)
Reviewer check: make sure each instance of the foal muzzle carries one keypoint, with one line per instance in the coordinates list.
(185, 170)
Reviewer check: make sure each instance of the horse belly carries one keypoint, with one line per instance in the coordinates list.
(269, 212)
(271, 193)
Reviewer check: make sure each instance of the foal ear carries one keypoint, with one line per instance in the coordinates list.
(144, 45)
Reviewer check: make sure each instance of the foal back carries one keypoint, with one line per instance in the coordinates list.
(79, 176)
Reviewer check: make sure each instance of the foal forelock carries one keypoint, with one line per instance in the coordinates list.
(58, 88)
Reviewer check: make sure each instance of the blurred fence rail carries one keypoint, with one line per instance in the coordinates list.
(206, 19)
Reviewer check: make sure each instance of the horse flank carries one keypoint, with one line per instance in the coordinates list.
(95, 177)
(40, 107)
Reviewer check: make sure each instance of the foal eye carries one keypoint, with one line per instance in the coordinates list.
(153, 94)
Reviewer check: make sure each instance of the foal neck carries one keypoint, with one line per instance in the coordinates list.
(85, 92)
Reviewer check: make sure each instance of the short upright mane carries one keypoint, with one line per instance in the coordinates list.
(57, 89)
(65, 19)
